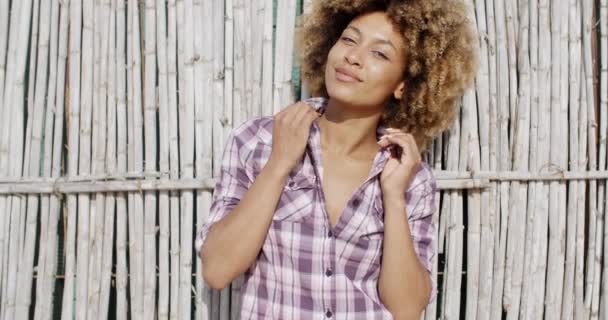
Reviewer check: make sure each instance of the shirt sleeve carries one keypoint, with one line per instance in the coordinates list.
(423, 226)
(231, 185)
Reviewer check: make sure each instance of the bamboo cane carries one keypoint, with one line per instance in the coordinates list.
(222, 102)
(14, 158)
(267, 74)
(587, 7)
(531, 215)
(73, 146)
(454, 235)
(35, 154)
(84, 161)
(98, 201)
(137, 235)
(603, 21)
(173, 156)
(121, 157)
(150, 106)
(507, 87)
(517, 225)
(4, 23)
(557, 226)
(52, 163)
(33, 56)
(5, 127)
(186, 127)
(164, 139)
(568, 300)
(111, 163)
(485, 14)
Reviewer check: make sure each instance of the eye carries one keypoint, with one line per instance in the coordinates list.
(347, 39)
(380, 54)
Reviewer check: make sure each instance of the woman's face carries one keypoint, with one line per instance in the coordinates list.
(365, 66)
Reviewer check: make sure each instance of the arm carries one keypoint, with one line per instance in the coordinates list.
(405, 285)
(241, 216)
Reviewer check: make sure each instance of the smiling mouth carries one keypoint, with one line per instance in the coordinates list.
(341, 76)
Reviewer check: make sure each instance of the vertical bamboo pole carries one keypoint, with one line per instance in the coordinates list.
(110, 159)
(588, 7)
(220, 73)
(122, 304)
(453, 276)
(544, 134)
(4, 23)
(531, 216)
(222, 101)
(163, 161)
(474, 162)
(35, 155)
(12, 154)
(31, 85)
(557, 225)
(485, 14)
(257, 13)
(568, 300)
(173, 156)
(150, 132)
(6, 220)
(506, 88)
(240, 110)
(186, 127)
(580, 311)
(510, 7)
(84, 166)
(98, 211)
(136, 237)
(267, 63)
(52, 168)
(603, 21)
(517, 225)
(73, 146)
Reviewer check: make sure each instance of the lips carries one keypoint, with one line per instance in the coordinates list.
(345, 75)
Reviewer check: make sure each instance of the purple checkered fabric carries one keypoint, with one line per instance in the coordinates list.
(307, 269)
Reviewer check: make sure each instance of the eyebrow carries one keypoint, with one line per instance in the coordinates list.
(383, 41)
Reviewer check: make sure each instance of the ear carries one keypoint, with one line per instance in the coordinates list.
(398, 93)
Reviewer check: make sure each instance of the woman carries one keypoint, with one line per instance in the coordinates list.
(326, 206)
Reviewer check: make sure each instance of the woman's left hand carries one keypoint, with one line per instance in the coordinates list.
(402, 166)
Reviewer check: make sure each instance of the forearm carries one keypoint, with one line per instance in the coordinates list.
(404, 285)
(234, 242)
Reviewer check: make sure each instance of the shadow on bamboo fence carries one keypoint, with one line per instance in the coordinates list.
(114, 114)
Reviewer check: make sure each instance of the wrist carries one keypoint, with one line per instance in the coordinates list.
(277, 171)
(393, 195)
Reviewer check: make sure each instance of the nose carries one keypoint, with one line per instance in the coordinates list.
(353, 56)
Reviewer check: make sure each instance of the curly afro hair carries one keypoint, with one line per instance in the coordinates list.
(441, 58)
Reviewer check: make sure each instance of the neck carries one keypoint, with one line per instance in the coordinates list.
(348, 130)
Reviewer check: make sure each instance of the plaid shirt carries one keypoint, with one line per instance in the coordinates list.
(307, 269)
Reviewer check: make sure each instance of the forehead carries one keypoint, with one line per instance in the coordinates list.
(377, 24)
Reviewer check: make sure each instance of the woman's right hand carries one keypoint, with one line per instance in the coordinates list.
(291, 127)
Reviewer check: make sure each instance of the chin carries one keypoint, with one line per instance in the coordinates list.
(342, 93)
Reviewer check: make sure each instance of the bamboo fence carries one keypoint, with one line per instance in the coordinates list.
(113, 116)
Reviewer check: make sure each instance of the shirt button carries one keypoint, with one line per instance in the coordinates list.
(356, 202)
(330, 234)
(291, 184)
(328, 314)
(328, 272)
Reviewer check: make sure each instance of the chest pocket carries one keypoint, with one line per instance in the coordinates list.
(297, 199)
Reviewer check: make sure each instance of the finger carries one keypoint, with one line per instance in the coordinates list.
(404, 143)
(305, 113)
